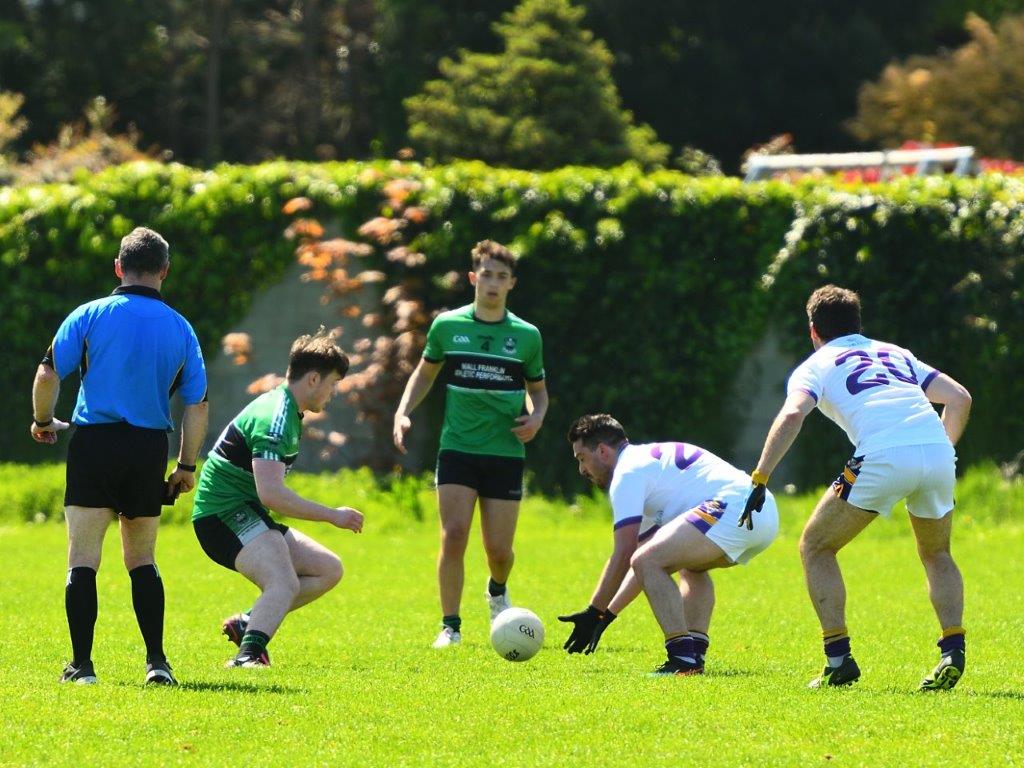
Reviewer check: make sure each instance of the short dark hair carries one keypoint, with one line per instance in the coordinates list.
(597, 428)
(834, 312)
(143, 252)
(490, 249)
(316, 352)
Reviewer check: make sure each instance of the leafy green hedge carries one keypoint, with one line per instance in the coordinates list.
(939, 263)
(649, 289)
(58, 242)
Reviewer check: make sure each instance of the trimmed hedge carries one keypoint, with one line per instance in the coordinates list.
(939, 263)
(58, 242)
(649, 289)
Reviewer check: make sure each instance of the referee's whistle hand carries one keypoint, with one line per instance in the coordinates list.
(47, 435)
(182, 480)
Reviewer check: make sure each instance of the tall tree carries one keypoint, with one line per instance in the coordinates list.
(412, 37)
(971, 95)
(547, 99)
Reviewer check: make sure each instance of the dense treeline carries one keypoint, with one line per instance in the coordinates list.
(210, 80)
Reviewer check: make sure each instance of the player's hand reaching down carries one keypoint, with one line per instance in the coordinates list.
(606, 618)
(348, 518)
(584, 623)
(755, 500)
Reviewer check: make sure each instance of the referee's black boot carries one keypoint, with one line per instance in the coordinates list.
(159, 673)
(83, 674)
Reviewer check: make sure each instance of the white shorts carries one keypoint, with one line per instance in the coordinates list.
(718, 520)
(924, 475)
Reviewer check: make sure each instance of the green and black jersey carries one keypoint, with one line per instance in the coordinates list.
(268, 428)
(486, 365)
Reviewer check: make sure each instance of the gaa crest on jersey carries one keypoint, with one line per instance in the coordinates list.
(460, 338)
(510, 345)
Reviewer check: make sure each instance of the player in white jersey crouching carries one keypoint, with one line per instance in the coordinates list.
(675, 507)
(881, 396)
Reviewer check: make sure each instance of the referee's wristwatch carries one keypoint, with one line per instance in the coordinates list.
(186, 467)
(41, 424)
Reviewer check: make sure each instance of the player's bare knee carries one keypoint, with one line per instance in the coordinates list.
(499, 555)
(812, 545)
(285, 584)
(133, 560)
(333, 570)
(454, 535)
(934, 555)
(83, 560)
(643, 562)
(83, 555)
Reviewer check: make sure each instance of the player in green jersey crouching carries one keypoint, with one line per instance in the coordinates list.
(243, 479)
(493, 367)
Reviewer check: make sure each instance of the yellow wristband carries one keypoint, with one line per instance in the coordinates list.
(759, 478)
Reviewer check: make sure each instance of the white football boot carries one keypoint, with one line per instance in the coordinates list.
(497, 603)
(447, 637)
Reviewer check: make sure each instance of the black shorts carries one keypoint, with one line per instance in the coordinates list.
(223, 538)
(492, 477)
(117, 466)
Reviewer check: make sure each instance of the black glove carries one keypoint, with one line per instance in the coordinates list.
(606, 618)
(754, 503)
(585, 622)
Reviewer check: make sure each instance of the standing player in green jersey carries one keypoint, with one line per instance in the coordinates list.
(243, 479)
(495, 404)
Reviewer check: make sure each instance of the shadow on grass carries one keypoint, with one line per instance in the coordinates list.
(1012, 695)
(731, 672)
(711, 674)
(234, 687)
(897, 691)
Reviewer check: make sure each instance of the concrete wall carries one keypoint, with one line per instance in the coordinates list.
(756, 398)
(277, 317)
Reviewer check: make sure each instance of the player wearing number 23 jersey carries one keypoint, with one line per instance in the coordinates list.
(882, 396)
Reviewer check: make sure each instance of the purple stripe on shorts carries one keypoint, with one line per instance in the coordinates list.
(928, 379)
(626, 521)
(697, 521)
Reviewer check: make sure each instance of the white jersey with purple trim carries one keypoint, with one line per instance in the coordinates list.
(873, 390)
(655, 482)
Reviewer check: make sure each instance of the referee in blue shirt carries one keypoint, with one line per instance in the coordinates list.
(132, 352)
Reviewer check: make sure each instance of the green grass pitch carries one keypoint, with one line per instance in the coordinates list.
(355, 682)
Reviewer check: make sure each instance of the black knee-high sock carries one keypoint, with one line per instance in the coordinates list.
(80, 606)
(148, 600)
